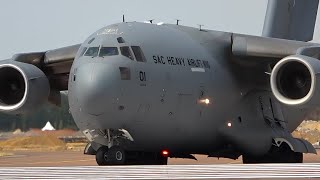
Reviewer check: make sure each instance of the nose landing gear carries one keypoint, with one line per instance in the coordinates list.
(113, 156)
(116, 155)
(101, 156)
(114, 150)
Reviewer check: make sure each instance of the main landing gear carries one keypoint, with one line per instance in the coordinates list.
(116, 155)
(282, 154)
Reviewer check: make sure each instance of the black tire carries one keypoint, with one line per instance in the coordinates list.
(296, 157)
(283, 154)
(158, 159)
(250, 160)
(289, 156)
(116, 156)
(162, 160)
(101, 156)
(299, 157)
(89, 150)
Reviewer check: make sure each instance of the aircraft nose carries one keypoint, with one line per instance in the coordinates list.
(95, 87)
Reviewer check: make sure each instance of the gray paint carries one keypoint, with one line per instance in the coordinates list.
(161, 106)
(205, 127)
(291, 19)
(244, 45)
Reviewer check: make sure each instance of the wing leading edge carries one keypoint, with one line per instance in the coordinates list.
(55, 64)
(255, 46)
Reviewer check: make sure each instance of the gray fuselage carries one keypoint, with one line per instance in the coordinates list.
(187, 96)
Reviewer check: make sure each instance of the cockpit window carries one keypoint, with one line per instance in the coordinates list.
(108, 51)
(92, 51)
(120, 40)
(83, 51)
(125, 51)
(138, 53)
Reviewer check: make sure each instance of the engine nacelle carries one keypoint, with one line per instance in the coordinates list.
(295, 80)
(23, 87)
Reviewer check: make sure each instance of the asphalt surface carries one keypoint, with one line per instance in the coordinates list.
(76, 165)
(77, 158)
(235, 171)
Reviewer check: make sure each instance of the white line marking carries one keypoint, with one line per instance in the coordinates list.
(234, 171)
(198, 70)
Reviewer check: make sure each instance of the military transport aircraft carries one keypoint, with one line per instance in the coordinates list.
(143, 92)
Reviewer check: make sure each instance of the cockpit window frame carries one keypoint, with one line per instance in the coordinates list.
(116, 54)
(138, 53)
(95, 55)
(131, 56)
(83, 50)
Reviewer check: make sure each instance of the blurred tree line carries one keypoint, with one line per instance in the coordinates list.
(59, 117)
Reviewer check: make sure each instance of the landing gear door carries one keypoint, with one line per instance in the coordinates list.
(271, 111)
(266, 108)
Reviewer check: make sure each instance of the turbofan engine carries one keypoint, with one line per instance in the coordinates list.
(23, 87)
(295, 80)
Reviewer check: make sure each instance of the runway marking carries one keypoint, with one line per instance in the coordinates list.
(234, 171)
(13, 156)
(236, 162)
(53, 162)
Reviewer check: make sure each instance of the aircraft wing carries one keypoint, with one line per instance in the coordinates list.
(264, 47)
(294, 65)
(43, 74)
(55, 64)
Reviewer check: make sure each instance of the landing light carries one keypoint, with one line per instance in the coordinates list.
(229, 124)
(205, 101)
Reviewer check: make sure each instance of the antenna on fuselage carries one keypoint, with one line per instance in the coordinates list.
(123, 20)
(178, 20)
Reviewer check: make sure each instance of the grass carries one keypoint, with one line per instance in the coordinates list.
(3, 154)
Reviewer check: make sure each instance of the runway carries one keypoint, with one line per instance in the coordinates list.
(235, 171)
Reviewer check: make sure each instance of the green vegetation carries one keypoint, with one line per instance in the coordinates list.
(59, 117)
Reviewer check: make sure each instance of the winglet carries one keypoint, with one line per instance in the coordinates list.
(291, 19)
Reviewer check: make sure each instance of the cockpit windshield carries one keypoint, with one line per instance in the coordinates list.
(108, 51)
(125, 51)
(84, 49)
(92, 51)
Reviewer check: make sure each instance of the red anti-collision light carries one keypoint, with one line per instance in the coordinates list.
(165, 153)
